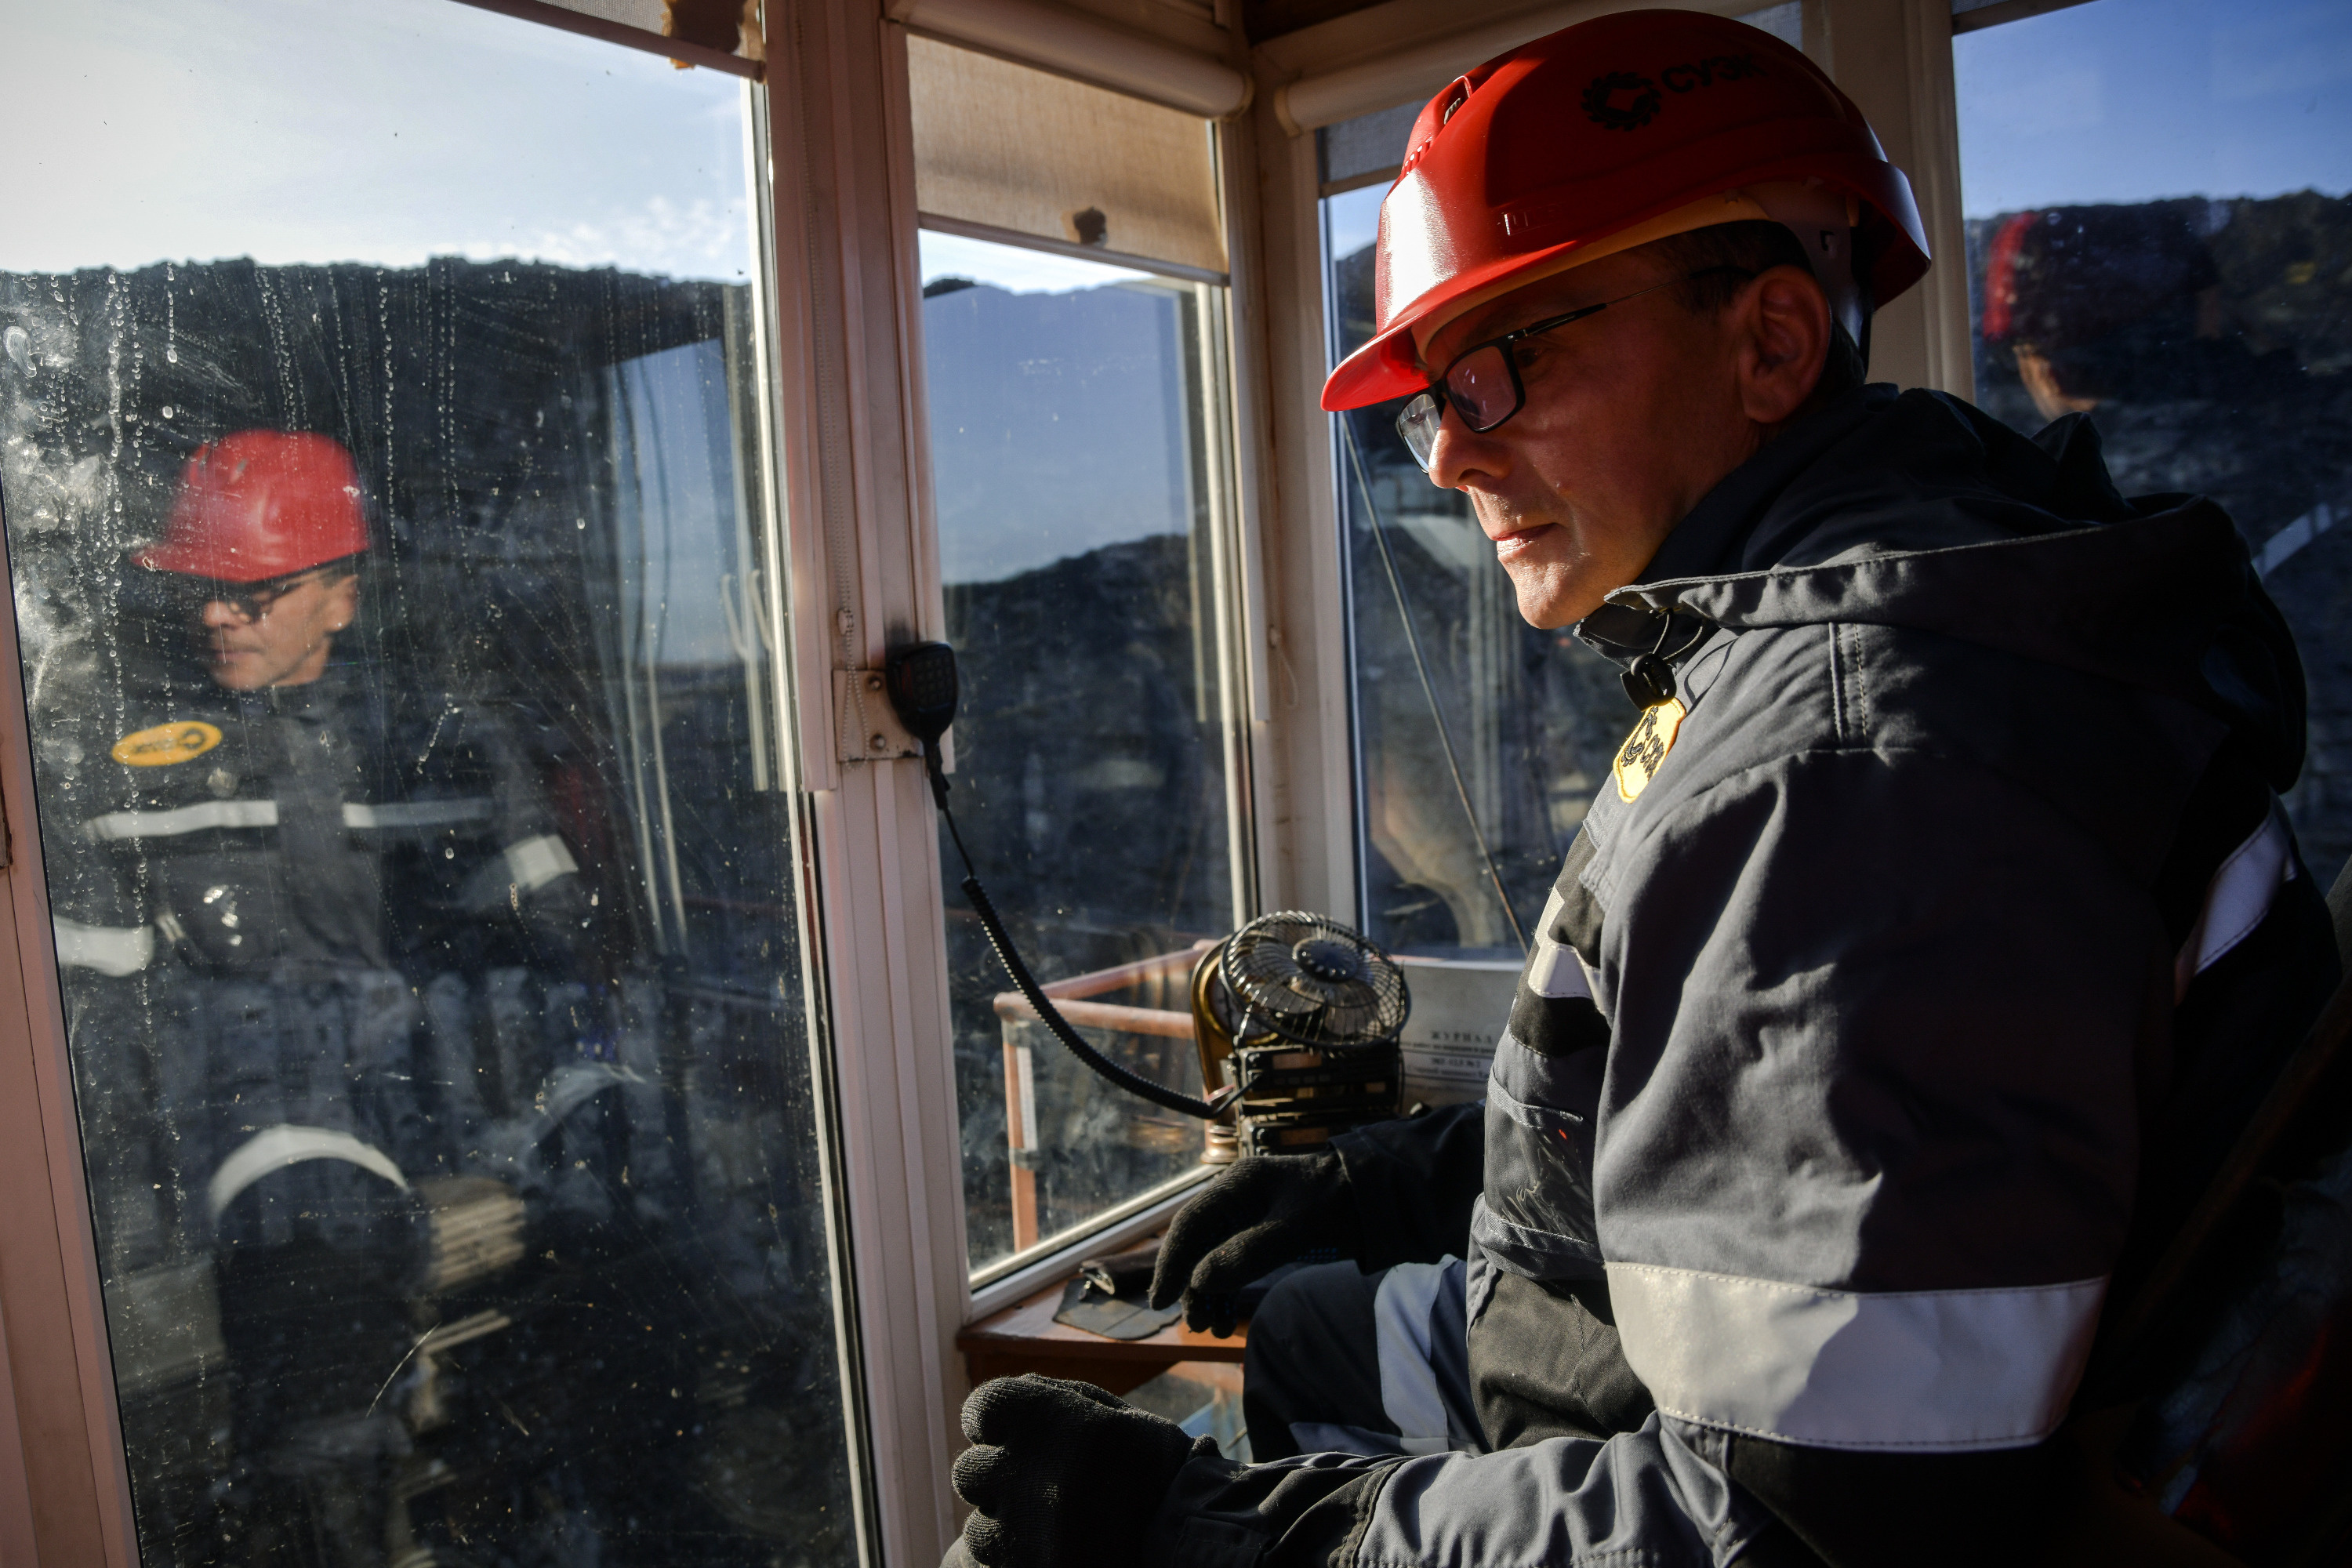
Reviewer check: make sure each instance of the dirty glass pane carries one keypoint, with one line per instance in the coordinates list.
(1079, 490)
(2159, 236)
(1532, 716)
(381, 458)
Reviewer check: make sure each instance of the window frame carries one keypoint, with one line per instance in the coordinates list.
(842, 285)
(65, 1483)
(1002, 1281)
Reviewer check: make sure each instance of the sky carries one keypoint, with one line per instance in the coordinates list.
(2130, 101)
(1057, 414)
(1012, 268)
(385, 132)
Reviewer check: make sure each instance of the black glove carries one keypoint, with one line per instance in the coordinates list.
(1062, 1474)
(1267, 1210)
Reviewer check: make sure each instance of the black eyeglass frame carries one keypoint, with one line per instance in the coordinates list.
(254, 601)
(1434, 400)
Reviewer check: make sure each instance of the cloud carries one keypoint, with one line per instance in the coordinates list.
(700, 238)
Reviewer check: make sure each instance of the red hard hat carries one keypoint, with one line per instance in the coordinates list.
(1608, 134)
(262, 504)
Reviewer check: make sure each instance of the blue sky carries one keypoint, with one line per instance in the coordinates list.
(2128, 100)
(1056, 409)
(385, 130)
(1013, 268)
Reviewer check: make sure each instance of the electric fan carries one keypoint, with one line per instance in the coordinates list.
(1302, 1015)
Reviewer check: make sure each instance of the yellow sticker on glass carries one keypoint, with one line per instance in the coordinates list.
(167, 743)
(1645, 749)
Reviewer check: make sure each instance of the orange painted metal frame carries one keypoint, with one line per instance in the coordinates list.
(66, 1499)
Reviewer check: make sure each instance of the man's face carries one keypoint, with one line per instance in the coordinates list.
(275, 634)
(1632, 416)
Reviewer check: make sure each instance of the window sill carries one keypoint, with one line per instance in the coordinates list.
(1012, 1279)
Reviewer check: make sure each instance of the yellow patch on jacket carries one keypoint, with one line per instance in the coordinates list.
(1645, 751)
(166, 743)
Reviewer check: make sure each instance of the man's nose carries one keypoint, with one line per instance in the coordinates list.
(1459, 453)
(218, 613)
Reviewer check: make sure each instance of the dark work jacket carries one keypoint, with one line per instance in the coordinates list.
(250, 892)
(258, 832)
(1903, 987)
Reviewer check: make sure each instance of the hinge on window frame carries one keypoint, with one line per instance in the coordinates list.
(865, 726)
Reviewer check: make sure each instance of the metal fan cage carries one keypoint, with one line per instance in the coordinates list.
(1315, 982)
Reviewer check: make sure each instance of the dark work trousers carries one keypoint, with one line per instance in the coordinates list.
(1344, 1362)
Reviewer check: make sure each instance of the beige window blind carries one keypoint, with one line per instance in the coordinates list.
(1000, 146)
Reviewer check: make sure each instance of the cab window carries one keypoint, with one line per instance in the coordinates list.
(1074, 330)
(2159, 213)
(399, 612)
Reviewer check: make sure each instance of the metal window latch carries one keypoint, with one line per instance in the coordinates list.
(865, 726)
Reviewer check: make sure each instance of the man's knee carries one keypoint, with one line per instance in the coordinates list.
(1311, 1319)
(1313, 1358)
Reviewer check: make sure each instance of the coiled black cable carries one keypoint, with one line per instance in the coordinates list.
(1211, 1110)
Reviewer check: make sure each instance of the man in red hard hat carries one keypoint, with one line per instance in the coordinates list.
(1937, 928)
(268, 529)
(290, 863)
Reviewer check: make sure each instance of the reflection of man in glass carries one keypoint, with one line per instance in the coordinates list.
(293, 855)
(2094, 303)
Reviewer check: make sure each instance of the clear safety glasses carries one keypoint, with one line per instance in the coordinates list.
(1482, 384)
(249, 600)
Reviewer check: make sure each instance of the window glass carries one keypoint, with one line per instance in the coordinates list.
(1531, 717)
(2160, 237)
(382, 459)
(1077, 464)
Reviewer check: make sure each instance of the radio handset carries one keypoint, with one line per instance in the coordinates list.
(921, 681)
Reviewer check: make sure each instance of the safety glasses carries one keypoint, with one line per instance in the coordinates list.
(251, 601)
(1482, 385)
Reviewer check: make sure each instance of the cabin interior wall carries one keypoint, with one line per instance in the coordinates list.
(1894, 58)
(1308, 836)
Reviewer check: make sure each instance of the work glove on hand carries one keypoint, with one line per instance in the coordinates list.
(1267, 1210)
(1062, 1474)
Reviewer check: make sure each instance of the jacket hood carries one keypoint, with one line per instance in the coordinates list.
(1919, 511)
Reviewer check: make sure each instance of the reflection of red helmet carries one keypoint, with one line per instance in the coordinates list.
(2067, 276)
(1606, 135)
(262, 504)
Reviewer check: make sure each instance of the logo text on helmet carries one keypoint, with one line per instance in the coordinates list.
(1604, 106)
(1621, 100)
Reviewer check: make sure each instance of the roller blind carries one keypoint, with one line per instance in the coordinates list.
(1005, 147)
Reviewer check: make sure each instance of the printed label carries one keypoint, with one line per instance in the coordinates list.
(1645, 749)
(166, 743)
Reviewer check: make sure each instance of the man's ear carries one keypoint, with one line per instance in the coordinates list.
(1783, 321)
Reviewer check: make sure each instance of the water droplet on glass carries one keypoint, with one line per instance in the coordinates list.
(171, 355)
(20, 348)
(167, 411)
